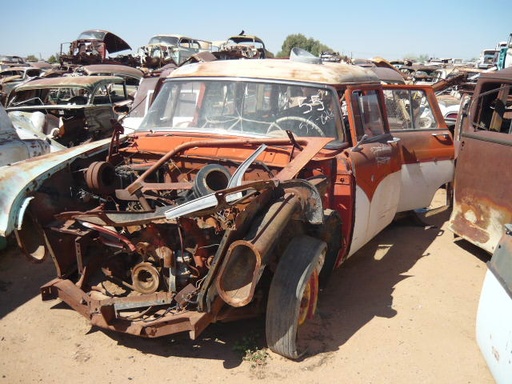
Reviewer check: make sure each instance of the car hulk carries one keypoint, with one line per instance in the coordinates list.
(246, 184)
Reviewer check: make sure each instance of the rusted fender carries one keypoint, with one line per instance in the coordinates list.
(19, 181)
(246, 259)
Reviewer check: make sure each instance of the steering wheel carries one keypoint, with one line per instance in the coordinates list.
(294, 119)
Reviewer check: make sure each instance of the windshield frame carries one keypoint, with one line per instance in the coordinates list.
(164, 101)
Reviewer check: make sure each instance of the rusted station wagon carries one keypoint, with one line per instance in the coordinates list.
(482, 204)
(246, 184)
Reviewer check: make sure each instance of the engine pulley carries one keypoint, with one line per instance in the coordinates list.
(100, 177)
(145, 278)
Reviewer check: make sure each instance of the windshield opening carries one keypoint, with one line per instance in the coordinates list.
(164, 40)
(246, 108)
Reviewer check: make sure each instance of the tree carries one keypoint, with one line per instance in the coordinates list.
(31, 58)
(299, 40)
(53, 59)
(419, 59)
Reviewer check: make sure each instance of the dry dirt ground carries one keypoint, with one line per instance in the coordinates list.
(401, 310)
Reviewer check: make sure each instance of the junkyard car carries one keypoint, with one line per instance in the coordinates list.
(132, 76)
(93, 47)
(72, 109)
(242, 46)
(494, 315)
(246, 183)
(11, 77)
(7, 61)
(166, 49)
(14, 148)
(481, 203)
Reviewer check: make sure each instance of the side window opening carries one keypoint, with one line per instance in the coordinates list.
(409, 109)
(494, 109)
(367, 113)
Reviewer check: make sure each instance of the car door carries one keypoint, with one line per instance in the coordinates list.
(426, 143)
(482, 203)
(375, 162)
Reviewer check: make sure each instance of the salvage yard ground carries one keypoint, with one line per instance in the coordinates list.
(401, 310)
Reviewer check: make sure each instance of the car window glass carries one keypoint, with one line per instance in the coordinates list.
(367, 113)
(249, 107)
(409, 109)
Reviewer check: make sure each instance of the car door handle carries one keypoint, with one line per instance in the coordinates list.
(445, 135)
(394, 140)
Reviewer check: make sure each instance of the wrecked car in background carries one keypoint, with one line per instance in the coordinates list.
(483, 134)
(7, 61)
(17, 144)
(166, 49)
(246, 184)
(242, 46)
(93, 47)
(13, 76)
(132, 76)
(71, 109)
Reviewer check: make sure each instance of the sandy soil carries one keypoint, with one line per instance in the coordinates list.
(401, 310)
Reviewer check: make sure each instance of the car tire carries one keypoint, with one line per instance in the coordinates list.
(293, 296)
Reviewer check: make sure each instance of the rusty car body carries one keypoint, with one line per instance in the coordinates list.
(483, 132)
(7, 61)
(167, 49)
(93, 47)
(71, 109)
(132, 76)
(242, 46)
(14, 148)
(13, 76)
(246, 184)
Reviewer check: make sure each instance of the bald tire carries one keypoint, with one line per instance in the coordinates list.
(300, 264)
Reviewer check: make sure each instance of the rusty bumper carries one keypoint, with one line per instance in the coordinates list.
(108, 313)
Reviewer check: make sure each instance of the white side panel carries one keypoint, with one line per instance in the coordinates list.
(420, 181)
(372, 217)
(494, 328)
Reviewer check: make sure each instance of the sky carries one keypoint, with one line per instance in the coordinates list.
(361, 29)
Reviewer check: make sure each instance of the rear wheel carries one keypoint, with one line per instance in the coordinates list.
(293, 296)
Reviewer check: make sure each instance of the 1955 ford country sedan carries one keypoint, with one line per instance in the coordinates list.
(246, 184)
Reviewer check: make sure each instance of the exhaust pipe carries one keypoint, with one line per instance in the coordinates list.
(245, 259)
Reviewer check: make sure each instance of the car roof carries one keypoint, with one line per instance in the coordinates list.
(25, 68)
(504, 74)
(172, 35)
(69, 81)
(334, 74)
(246, 39)
(115, 69)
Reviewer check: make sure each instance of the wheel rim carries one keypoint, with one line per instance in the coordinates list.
(309, 299)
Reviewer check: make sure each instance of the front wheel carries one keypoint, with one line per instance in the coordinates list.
(293, 296)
